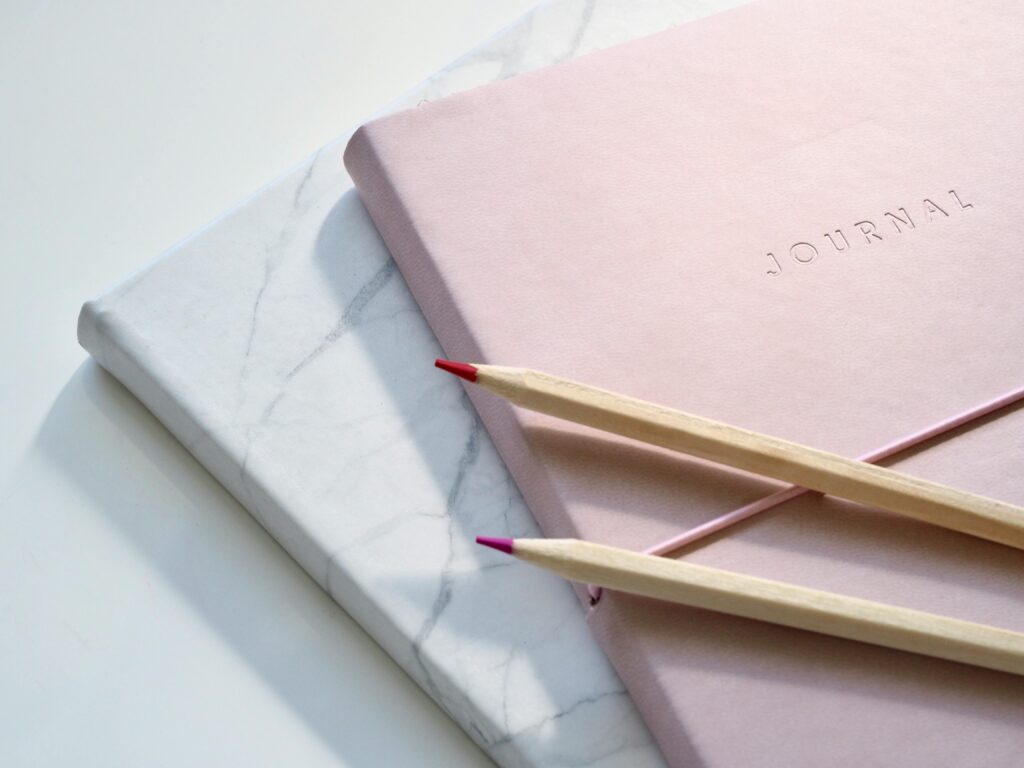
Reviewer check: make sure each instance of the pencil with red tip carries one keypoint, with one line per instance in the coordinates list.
(751, 451)
(772, 601)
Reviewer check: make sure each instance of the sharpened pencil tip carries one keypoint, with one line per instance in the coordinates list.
(462, 370)
(502, 545)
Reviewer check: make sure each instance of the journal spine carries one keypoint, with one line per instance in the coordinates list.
(396, 225)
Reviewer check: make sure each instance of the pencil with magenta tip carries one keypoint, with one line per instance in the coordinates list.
(751, 451)
(772, 601)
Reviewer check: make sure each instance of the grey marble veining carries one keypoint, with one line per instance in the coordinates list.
(282, 347)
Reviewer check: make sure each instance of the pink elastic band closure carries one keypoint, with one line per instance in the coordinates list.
(791, 492)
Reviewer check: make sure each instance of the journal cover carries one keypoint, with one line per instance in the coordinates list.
(802, 218)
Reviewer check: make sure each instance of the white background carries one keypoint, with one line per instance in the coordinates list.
(145, 618)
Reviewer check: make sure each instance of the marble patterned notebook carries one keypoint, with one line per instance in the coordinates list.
(281, 346)
(797, 217)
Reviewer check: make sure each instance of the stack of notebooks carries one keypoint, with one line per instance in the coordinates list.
(799, 218)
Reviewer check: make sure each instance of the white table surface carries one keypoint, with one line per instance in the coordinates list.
(133, 589)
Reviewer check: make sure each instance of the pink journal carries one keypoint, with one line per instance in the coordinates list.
(802, 218)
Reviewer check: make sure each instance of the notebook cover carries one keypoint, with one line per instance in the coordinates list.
(798, 217)
(282, 347)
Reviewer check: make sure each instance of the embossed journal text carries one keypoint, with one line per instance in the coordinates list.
(867, 232)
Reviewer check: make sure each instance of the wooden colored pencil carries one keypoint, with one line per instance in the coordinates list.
(762, 454)
(772, 601)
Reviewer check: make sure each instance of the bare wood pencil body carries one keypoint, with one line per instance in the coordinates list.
(758, 453)
(778, 603)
